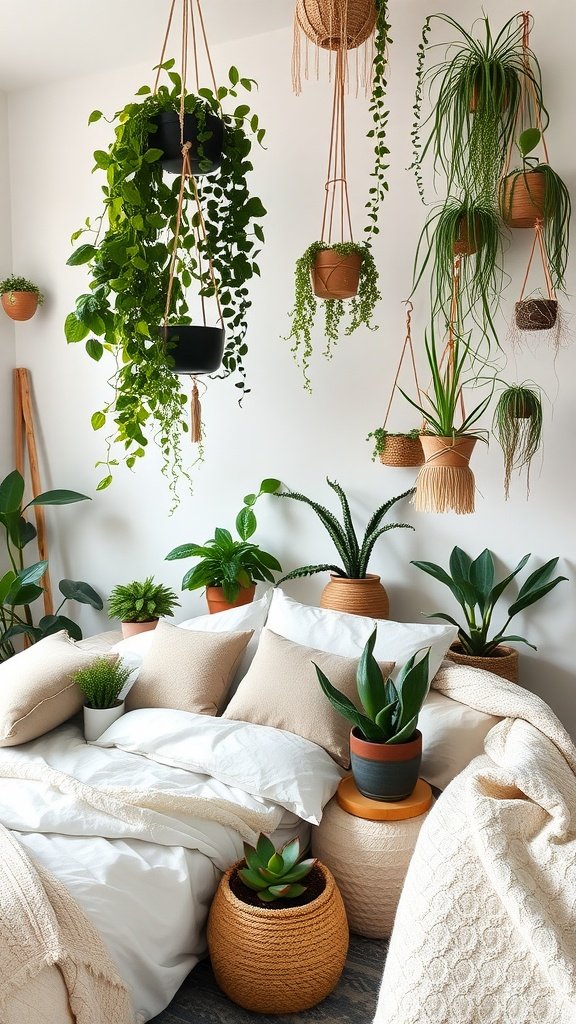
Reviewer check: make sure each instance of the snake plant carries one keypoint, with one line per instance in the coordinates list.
(275, 874)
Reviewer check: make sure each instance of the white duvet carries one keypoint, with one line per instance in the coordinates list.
(146, 879)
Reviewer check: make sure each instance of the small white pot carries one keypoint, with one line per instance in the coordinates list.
(97, 720)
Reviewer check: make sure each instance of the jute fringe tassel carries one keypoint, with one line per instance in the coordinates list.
(196, 416)
(445, 489)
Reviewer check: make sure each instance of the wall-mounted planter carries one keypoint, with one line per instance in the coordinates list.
(20, 305)
(536, 314)
(167, 138)
(194, 348)
(335, 276)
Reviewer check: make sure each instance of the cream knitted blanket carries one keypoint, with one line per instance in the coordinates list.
(485, 931)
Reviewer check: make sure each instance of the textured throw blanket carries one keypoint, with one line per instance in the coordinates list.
(486, 926)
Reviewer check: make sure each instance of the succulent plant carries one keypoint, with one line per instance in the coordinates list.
(275, 874)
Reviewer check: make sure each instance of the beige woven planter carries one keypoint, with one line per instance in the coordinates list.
(522, 199)
(357, 597)
(401, 452)
(336, 24)
(503, 662)
(277, 961)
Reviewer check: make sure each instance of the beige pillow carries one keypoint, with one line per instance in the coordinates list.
(281, 689)
(36, 688)
(187, 669)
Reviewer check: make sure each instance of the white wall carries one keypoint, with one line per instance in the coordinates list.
(281, 431)
(7, 341)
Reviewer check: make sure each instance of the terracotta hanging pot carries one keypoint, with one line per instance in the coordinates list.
(132, 628)
(20, 305)
(468, 236)
(336, 24)
(401, 452)
(335, 276)
(385, 771)
(357, 597)
(502, 662)
(536, 314)
(445, 482)
(216, 599)
(523, 198)
(204, 156)
(194, 348)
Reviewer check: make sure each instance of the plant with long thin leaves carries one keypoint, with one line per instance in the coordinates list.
(390, 709)
(275, 874)
(102, 681)
(517, 426)
(355, 553)
(472, 583)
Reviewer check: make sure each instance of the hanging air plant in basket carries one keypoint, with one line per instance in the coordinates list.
(517, 427)
(170, 258)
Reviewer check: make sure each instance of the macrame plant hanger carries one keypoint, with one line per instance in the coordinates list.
(189, 28)
(336, 186)
(337, 26)
(400, 451)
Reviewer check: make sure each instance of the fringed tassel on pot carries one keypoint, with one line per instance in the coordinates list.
(446, 483)
(196, 416)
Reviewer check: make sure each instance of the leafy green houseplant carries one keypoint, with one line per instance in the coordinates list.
(474, 586)
(379, 114)
(139, 242)
(20, 297)
(348, 271)
(21, 585)
(229, 569)
(517, 426)
(102, 682)
(275, 874)
(389, 717)
(140, 604)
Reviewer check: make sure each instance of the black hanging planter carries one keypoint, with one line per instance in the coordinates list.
(204, 156)
(194, 348)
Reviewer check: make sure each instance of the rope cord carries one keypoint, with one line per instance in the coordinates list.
(336, 173)
(538, 240)
(407, 345)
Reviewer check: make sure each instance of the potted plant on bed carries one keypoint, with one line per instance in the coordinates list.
(140, 604)
(385, 744)
(101, 683)
(351, 588)
(472, 583)
(20, 298)
(262, 919)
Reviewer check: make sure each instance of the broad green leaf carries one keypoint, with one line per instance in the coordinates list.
(77, 590)
(528, 140)
(500, 587)
(223, 539)
(532, 596)
(74, 329)
(270, 485)
(95, 116)
(5, 584)
(58, 497)
(22, 533)
(369, 680)
(412, 685)
(440, 574)
(104, 483)
(71, 627)
(460, 564)
(83, 254)
(265, 848)
(95, 349)
(23, 595)
(345, 707)
(182, 551)
(482, 577)
(32, 573)
(11, 492)
(246, 523)
(98, 420)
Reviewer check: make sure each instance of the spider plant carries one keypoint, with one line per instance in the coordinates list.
(517, 427)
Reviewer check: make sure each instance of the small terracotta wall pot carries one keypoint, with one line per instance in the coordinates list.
(447, 451)
(502, 662)
(20, 305)
(401, 452)
(468, 241)
(385, 771)
(97, 720)
(336, 24)
(536, 314)
(132, 628)
(357, 597)
(277, 961)
(217, 601)
(335, 276)
(522, 199)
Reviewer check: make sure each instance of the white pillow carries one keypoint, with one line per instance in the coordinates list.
(257, 759)
(452, 735)
(339, 633)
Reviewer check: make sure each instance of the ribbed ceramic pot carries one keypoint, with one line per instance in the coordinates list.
(502, 662)
(357, 597)
(277, 961)
(523, 198)
(216, 599)
(132, 628)
(97, 720)
(335, 276)
(20, 305)
(385, 771)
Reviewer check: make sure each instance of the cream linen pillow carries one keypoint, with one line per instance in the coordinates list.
(187, 670)
(452, 735)
(281, 689)
(36, 688)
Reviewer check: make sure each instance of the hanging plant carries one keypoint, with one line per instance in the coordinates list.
(517, 427)
(20, 297)
(379, 114)
(137, 256)
(359, 310)
(401, 451)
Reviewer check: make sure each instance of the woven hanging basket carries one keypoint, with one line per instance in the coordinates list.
(536, 314)
(502, 662)
(357, 597)
(522, 199)
(335, 276)
(402, 452)
(445, 482)
(277, 961)
(336, 24)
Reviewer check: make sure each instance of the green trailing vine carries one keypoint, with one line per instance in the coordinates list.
(416, 164)
(380, 115)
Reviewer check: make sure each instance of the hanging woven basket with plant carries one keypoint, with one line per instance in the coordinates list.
(517, 426)
(397, 449)
(20, 298)
(169, 253)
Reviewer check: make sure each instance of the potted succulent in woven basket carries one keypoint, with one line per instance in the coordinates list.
(101, 683)
(351, 588)
(20, 298)
(397, 450)
(277, 945)
(140, 604)
(385, 743)
(472, 583)
(517, 426)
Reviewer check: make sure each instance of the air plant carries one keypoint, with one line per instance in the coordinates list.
(517, 427)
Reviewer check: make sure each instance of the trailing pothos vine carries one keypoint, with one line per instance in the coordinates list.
(380, 117)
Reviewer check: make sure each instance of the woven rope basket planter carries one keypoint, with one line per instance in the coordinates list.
(335, 276)
(402, 452)
(357, 597)
(445, 482)
(522, 199)
(536, 314)
(505, 664)
(277, 961)
(336, 24)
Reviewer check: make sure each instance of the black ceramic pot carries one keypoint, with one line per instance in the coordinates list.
(385, 771)
(194, 349)
(204, 156)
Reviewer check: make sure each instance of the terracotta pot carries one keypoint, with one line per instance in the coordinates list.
(447, 451)
(277, 961)
(473, 106)
(20, 305)
(217, 601)
(522, 198)
(357, 597)
(536, 314)
(385, 771)
(336, 24)
(468, 241)
(132, 628)
(335, 276)
(401, 451)
(502, 662)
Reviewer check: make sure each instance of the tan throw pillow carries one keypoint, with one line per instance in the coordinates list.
(281, 689)
(36, 688)
(187, 670)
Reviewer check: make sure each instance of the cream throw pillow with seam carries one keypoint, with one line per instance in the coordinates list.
(281, 690)
(187, 670)
(36, 688)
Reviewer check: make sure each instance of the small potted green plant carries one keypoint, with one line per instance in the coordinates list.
(332, 273)
(101, 683)
(140, 604)
(20, 298)
(229, 569)
(517, 426)
(472, 583)
(351, 588)
(395, 449)
(262, 916)
(385, 743)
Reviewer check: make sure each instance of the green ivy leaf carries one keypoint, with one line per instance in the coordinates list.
(95, 116)
(74, 329)
(98, 420)
(83, 254)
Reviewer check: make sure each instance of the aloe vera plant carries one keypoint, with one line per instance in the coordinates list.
(275, 874)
